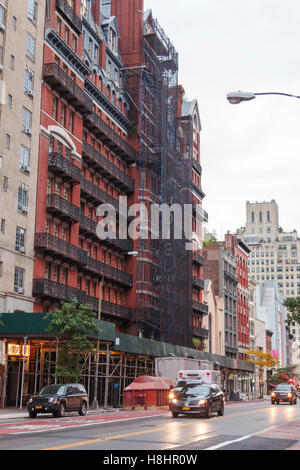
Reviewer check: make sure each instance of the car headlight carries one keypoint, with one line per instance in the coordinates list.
(30, 400)
(174, 401)
(273, 394)
(290, 395)
(171, 395)
(202, 402)
(51, 400)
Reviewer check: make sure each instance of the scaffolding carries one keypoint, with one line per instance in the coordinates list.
(164, 300)
(25, 375)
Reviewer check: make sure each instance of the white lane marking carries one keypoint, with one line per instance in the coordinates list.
(243, 438)
(208, 435)
(89, 424)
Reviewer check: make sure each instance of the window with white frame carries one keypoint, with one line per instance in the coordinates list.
(19, 280)
(30, 46)
(22, 198)
(2, 15)
(32, 10)
(20, 239)
(28, 81)
(26, 120)
(24, 158)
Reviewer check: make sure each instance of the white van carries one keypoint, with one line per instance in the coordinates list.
(206, 376)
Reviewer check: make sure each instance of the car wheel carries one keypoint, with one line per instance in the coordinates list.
(32, 414)
(174, 414)
(209, 412)
(61, 411)
(291, 402)
(295, 401)
(221, 410)
(273, 402)
(83, 409)
(54, 414)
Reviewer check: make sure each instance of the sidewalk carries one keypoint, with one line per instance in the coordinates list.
(15, 413)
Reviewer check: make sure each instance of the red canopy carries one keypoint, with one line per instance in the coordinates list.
(145, 382)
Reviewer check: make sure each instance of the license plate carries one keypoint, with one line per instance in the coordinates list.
(38, 407)
(185, 408)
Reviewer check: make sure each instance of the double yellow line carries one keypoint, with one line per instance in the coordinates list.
(140, 433)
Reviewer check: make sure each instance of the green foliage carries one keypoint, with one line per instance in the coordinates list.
(293, 307)
(282, 375)
(72, 326)
(211, 241)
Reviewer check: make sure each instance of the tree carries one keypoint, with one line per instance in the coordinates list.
(282, 375)
(211, 241)
(293, 306)
(262, 359)
(72, 325)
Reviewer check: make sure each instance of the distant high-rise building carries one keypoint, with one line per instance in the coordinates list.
(275, 254)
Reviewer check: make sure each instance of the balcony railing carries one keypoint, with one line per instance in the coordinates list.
(231, 276)
(200, 307)
(97, 267)
(51, 244)
(197, 166)
(197, 282)
(198, 259)
(106, 167)
(47, 288)
(62, 208)
(66, 86)
(93, 192)
(69, 14)
(109, 308)
(61, 165)
(200, 332)
(100, 128)
(90, 226)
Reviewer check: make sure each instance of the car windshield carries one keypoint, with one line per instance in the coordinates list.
(196, 390)
(53, 390)
(283, 387)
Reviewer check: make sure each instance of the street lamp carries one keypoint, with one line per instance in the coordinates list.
(237, 97)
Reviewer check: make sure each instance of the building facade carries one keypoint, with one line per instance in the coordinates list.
(274, 255)
(21, 52)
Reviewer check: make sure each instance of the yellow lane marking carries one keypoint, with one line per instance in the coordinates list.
(139, 433)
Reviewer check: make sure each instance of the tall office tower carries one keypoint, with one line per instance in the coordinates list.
(275, 254)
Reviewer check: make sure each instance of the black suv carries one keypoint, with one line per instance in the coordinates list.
(196, 398)
(58, 399)
(284, 392)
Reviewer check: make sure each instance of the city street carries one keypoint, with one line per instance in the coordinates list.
(245, 426)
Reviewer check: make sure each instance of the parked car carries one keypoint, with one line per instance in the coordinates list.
(196, 398)
(59, 399)
(284, 393)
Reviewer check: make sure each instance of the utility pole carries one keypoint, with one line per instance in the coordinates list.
(95, 404)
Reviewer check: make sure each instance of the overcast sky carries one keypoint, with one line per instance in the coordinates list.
(249, 151)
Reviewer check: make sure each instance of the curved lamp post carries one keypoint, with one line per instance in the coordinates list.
(237, 97)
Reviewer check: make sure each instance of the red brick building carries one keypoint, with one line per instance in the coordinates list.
(108, 87)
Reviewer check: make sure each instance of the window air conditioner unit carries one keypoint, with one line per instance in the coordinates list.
(27, 169)
(29, 93)
(25, 209)
(22, 249)
(20, 290)
(28, 131)
(2, 27)
(1, 67)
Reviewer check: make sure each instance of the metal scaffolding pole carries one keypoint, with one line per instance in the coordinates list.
(5, 374)
(107, 376)
(18, 382)
(36, 366)
(23, 371)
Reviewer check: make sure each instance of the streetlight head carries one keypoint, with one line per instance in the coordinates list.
(236, 97)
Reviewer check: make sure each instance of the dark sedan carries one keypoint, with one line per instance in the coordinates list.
(197, 398)
(284, 393)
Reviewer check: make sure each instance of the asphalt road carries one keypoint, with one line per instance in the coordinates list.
(245, 426)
